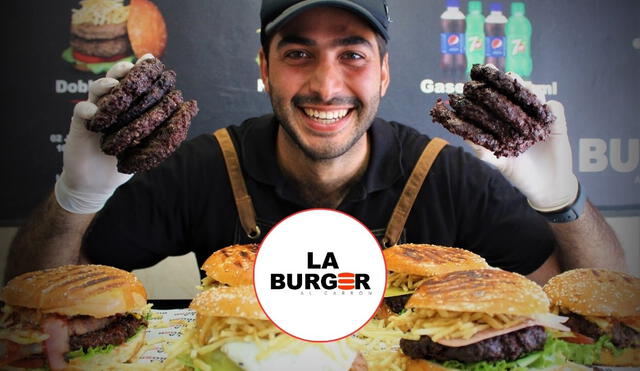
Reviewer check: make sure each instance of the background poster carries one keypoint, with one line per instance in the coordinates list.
(587, 54)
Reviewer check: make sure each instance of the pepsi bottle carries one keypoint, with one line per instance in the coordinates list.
(494, 30)
(453, 61)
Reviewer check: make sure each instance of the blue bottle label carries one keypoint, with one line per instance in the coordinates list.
(494, 46)
(452, 43)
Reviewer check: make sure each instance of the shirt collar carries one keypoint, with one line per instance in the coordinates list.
(259, 158)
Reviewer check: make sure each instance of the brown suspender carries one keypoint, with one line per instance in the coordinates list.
(244, 204)
(398, 219)
(410, 191)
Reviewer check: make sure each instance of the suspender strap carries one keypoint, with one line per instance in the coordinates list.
(410, 191)
(246, 212)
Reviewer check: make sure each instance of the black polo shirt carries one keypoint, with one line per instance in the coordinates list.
(186, 204)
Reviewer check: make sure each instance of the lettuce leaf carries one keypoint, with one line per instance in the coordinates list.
(96, 68)
(550, 355)
(216, 359)
(587, 354)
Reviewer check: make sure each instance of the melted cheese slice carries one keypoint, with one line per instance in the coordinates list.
(336, 356)
(396, 291)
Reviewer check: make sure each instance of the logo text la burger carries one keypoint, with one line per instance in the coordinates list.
(317, 281)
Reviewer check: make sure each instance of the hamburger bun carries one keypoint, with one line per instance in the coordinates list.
(629, 357)
(224, 301)
(430, 260)
(94, 290)
(595, 292)
(232, 265)
(491, 291)
(146, 28)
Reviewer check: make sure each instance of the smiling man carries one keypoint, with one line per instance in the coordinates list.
(325, 66)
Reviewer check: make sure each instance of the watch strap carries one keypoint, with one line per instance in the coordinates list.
(569, 213)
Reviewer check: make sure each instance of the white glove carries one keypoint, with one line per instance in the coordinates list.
(89, 177)
(544, 172)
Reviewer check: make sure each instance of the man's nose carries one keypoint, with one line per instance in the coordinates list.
(327, 80)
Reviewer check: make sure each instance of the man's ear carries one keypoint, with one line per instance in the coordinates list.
(385, 76)
(264, 70)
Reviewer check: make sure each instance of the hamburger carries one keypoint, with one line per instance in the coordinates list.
(603, 307)
(409, 265)
(144, 118)
(230, 266)
(231, 332)
(74, 316)
(104, 32)
(485, 319)
(497, 112)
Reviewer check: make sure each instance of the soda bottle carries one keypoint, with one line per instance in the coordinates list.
(494, 45)
(474, 35)
(452, 61)
(519, 42)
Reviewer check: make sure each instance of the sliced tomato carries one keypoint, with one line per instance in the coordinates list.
(579, 339)
(91, 59)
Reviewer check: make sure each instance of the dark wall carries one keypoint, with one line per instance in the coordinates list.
(583, 50)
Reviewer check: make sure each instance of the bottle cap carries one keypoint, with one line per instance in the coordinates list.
(496, 7)
(453, 3)
(475, 6)
(517, 8)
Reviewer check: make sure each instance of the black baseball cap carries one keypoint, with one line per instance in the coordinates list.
(275, 13)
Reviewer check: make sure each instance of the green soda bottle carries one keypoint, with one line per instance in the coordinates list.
(474, 35)
(519, 42)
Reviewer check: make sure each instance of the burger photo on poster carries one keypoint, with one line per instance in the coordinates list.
(104, 32)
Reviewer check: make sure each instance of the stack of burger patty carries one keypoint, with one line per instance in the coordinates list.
(143, 119)
(495, 112)
(107, 40)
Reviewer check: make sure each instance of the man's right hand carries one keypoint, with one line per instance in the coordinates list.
(89, 177)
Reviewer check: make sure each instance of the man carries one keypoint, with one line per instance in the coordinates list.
(325, 67)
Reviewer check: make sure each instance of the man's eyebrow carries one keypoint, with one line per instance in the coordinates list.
(352, 40)
(294, 39)
(346, 41)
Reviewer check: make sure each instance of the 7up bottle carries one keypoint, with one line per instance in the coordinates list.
(519, 42)
(474, 35)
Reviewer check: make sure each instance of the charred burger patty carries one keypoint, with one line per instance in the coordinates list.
(508, 347)
(495, 112)
(143, 119)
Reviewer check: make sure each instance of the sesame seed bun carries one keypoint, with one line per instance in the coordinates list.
(595, 292)
(225, 301)
(93, 290)
(629, 357)
(146, 28)
(491, 291)
(232, 265)
(429, 260)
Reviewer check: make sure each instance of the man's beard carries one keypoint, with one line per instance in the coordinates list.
(363, 120)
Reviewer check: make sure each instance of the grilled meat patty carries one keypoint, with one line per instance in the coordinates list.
(507, 347)
(622, 336)
(120, 328)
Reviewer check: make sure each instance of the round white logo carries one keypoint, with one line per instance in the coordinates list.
(320, 275)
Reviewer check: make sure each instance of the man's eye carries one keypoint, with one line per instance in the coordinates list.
(352, 55)
(297, 54)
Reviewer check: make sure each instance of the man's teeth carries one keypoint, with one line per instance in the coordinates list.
(327, 116)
